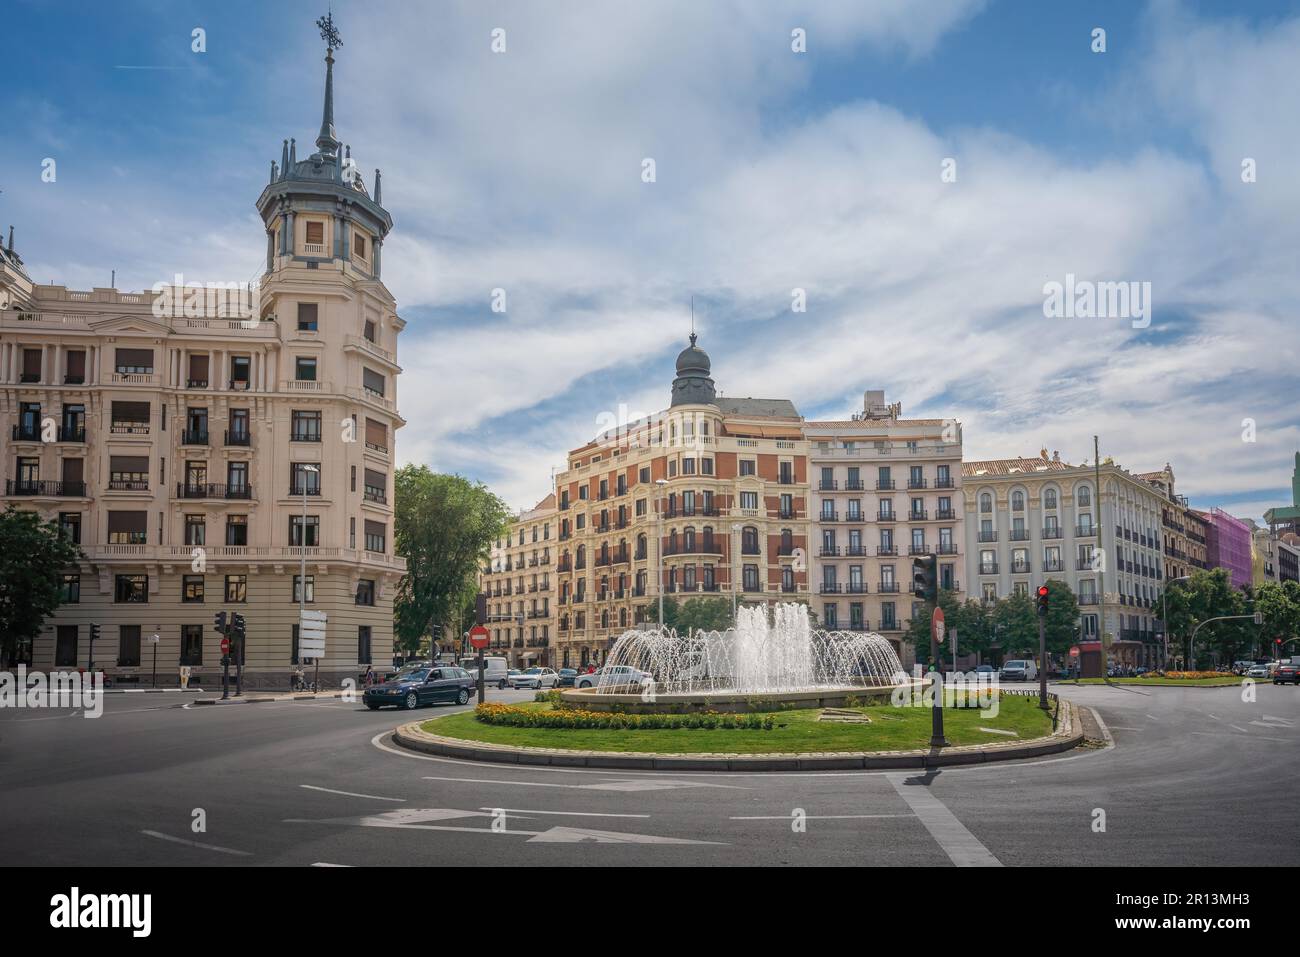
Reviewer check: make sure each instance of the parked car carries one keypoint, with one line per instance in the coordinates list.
(1018, 669)
(1286, 672)
(1257, 671)
(422, 686)
(612, 675)
(567, 677)
(535, 678)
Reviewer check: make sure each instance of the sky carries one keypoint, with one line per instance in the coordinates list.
(922, 172)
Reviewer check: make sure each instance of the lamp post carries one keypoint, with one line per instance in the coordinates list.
(659, 548)
(735, 569)
(302, 546)
(1164, 611)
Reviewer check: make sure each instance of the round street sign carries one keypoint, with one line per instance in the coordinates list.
(225, 646)
(936, 622)
(478, 637)
(1074, 651)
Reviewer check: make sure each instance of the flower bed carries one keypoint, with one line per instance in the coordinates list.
(517, 717)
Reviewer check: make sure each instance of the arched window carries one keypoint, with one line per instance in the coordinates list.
(749, 540)
(688, 539)
(986, 502)
(1049, 498)
(604, 618)
(1085, 496)
(641, 546)
(1017, 501)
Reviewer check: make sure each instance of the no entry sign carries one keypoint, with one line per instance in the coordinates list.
(478, 637)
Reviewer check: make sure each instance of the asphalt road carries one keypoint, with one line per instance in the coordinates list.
(1196, 777)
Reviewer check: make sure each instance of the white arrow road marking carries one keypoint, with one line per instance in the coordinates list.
(632, 784)
(353, 794)
(1274, 719)
(959, 844)
(323, 864)
(206, 847)
(515, 810)
(577, 835)
(1237, 737)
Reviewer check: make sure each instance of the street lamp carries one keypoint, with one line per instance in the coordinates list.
(1164, 611)
(735, 570)
(659, 548)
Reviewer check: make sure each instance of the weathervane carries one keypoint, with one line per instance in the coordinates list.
(327, 32)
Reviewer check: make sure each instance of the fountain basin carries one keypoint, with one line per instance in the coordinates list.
(627, 699)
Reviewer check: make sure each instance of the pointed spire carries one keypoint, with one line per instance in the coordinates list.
(284, 160)
(293, 151)
(11, 238)
(327, 142)
(378, 199)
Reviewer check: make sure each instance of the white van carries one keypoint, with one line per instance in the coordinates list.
(1019, 669)
(494, 669)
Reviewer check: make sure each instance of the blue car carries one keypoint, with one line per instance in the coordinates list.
(422, 686)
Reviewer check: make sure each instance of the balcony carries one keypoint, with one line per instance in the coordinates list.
(129, 428)
(1021, 568)
(988, 536)
(917, 483)
(852, 516)
(1083, 564)
(1019, 535)
(194, 437)
(856, 588)
(1085, 531)
(945, 514)
(947, 548)
(128, 485)
(72, 433)
(40, 489)
(886, 517)
(1088, 599)
(298, 491)
(1052, 531)
(885, 486)
(921, 549)
(829, 588)
(828, 485)
(855, 551)
(918, 515)
(196, 383)
(27, 433)
(988, 568)
(855, 485)
(241, 439)
(889, 624)
(942, 482)
(829, 516)
(1054, 566)
(887, 588)
(887, 550)
(827, 551)
(218, 490)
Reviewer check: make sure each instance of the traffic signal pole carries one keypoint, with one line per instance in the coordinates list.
(1042, 646)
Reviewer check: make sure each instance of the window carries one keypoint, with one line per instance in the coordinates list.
(195, 530)
(304, 531)
(128, 472)
(307, 314)
(359, 249)
(751, 578)
(376, 487)
(315, 235)
(373, 381)
(303, 480)
(191, 644)
(65, 646)
(240, 370)
(237, 530)
(237, 588)
(128, 646)
(366, 592)
(376, 535)
(749, 500)
(1049, 498)
(305, 368)
(70, 524)
(1017, 501)
(376, 435)
(192, 589)
(363, 644)
(70, 591)
(127, 528)
(304, 426)
(1085, 496)
(369, 331)
(311, 588)
(986, 502)
(134, 361)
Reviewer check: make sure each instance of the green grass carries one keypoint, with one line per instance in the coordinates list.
(891, 729)
(1225, 682)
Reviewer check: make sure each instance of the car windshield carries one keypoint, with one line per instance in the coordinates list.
(418, 675)
(533, 671)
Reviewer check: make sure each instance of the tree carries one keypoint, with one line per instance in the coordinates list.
(1015, 619)
(918, 627)
(709, 614)
(443, 526)
(1207, 594)
(672, 612)
(33, 557)
(1279, 604)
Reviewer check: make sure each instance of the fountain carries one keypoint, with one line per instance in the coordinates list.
(761, 663)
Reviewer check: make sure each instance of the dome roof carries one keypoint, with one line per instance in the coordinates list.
(693, 360)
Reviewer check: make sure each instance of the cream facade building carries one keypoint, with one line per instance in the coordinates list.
(198, 455)
(885, 490)
(1030, 520)
(518, 585)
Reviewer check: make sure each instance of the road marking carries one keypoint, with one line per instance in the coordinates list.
(1214, 716)
(1118, 728)
(815, 817)
(1252, 737)
(353, 794)
(636, 784)
(323, 864)
(578, 835)
(516, 810)
(1153, 717)
(206, 847)
(962, 847)
(1238, 728)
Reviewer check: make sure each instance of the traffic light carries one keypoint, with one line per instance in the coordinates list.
(219, 620)
(94, 632)
(925, 585)
(237, 626)
(1043, 592)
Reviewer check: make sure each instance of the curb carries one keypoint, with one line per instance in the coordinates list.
(244, 699)
(1068, 735)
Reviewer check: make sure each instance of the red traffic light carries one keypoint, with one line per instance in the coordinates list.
(1042, 591)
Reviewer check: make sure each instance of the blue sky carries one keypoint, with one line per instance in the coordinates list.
(775, 170)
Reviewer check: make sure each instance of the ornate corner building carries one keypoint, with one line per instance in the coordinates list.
(198, 456)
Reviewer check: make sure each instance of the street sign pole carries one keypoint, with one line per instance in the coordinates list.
(1042, 661)
(479, 638)
(154, 641)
